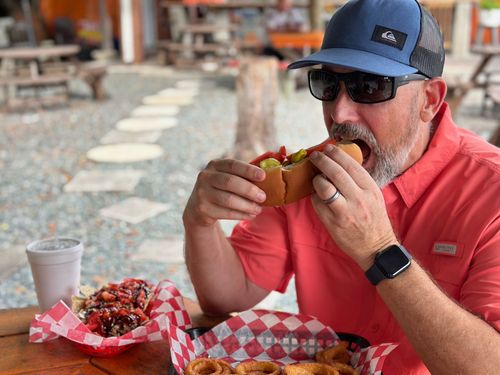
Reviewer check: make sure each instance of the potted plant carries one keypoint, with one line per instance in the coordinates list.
(489, 13)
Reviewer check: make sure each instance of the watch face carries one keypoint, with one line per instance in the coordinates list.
(393, 261)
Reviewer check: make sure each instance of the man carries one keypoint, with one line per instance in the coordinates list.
(425, 185)
(283, 19)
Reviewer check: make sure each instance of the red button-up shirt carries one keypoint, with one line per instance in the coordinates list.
(445, 210)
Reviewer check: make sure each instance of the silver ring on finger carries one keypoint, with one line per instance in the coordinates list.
(333, 198)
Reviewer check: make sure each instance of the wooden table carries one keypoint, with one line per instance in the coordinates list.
(192, 41)
(33, 55)
(18, 356)
(39, 52)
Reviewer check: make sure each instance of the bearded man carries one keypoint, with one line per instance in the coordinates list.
(406, 247)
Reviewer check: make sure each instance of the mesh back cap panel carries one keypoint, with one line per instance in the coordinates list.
(428, 55)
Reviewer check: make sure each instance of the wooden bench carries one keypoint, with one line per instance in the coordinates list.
(55, 74)
(18, 84)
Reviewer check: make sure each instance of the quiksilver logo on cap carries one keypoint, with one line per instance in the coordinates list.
(390, 37)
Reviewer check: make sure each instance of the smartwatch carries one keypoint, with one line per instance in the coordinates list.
(389, 263)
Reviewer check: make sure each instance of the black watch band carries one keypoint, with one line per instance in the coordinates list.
(388, 264)
(375, 274)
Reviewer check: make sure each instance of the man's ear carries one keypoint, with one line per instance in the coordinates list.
(434, 94)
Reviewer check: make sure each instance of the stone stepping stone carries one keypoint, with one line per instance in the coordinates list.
(188, 84)
(142, 124)
(111, 180)
(119, 136)
(179, 92)
(193, 84)
(13, 258)
(134, 210)
(169, 250)
(124, 153)
(167, 100)
(155, 110)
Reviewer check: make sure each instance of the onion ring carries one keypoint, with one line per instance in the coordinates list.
(310, 369)
(344, 369)
(226, 367)
(258, 368)
(334, 354)
(208, 366)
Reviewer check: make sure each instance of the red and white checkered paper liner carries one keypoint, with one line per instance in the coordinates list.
(167, 308)
(268, 336)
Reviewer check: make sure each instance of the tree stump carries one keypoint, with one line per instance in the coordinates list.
(257, 93)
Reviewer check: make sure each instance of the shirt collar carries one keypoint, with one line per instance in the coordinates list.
(442, 147)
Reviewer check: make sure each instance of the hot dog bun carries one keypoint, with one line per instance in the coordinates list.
(288, 184)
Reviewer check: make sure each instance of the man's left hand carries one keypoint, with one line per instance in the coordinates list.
(357, 220)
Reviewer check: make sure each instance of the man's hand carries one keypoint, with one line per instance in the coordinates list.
(224, 190)
(358, 220)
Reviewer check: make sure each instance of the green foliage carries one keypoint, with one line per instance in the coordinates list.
(489, 4)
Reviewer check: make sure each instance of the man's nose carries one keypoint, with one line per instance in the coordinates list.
(343, 109)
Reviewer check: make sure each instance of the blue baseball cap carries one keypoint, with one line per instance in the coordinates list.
(386, 37)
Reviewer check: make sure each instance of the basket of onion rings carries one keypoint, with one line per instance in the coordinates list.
(274, 343)
(337, 357)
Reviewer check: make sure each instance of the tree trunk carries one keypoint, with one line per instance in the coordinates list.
(257, 95)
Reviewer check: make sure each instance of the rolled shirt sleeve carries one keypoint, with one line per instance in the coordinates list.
(262, 246)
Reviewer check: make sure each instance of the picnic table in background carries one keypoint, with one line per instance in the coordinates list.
(458, 88)
(46, 66)
(305, 42)
(311, 39)
(60, 356)
(491, 84)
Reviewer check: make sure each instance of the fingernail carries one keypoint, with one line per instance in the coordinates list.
(261, 196)
(257, 210)
(328, 148)
(314, 155)
(259, 174)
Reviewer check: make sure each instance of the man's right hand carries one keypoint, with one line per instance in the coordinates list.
(224, 190)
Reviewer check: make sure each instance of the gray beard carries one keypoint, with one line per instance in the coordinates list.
(388, 162)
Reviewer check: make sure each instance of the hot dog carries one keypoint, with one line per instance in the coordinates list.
(289, 177)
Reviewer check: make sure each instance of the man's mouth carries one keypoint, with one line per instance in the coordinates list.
(365, 149)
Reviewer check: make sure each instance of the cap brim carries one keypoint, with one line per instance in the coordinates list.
(357, 60)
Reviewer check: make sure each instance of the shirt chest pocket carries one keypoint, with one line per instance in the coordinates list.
(448, 266)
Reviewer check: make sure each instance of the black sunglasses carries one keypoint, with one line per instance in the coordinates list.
(361, 87)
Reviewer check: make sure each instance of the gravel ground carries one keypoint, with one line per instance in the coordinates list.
(41, 151)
